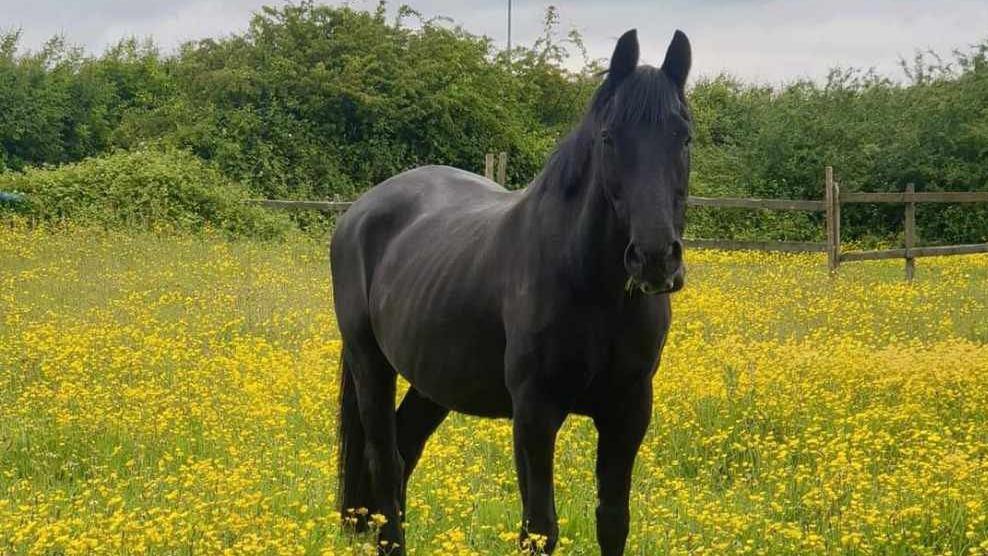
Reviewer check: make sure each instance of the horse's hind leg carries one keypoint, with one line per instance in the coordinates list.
(375, 381)
(418, 418)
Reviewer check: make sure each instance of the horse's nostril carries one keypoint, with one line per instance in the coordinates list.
(676, 250)
(634, 259)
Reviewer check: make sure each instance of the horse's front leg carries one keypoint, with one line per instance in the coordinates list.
(536, 422)
(621, 424)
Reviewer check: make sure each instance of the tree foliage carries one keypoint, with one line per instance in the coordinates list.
(316, 101)
(878, 134)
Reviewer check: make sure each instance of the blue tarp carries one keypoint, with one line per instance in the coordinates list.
(12, 198)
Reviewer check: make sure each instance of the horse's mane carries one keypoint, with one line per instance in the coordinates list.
(645, 96)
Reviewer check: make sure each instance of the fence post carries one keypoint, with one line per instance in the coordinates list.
(489, 166)
(836, 225)
(502, 168)
(910, 234)
(833, 249)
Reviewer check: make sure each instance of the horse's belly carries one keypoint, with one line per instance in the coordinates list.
(473, 385)
(453, 359)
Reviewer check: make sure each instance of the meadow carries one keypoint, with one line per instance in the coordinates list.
(176, 394)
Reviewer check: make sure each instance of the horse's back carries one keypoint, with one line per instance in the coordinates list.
(422, 191)
(384, 211)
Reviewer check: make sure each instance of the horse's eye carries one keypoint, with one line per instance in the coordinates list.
(605, 136)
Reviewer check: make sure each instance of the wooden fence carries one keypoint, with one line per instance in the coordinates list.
(498, 173)
(830, 205)
(910, 198)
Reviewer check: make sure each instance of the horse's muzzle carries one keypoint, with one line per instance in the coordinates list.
(671, 285)
(656, 272)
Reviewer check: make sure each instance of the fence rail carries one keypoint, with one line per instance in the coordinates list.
(722, 202)
(831, 205)
(914, 197)
(758, 245)
(916, 252)
(768, 204)
(324, 206)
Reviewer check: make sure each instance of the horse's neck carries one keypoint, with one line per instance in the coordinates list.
(573, 219)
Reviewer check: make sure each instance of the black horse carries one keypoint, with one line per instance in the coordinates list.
(530, 305)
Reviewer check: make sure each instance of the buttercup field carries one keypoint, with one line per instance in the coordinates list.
(607, 278)
(177, 395)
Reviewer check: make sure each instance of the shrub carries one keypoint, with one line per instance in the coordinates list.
(147, 188)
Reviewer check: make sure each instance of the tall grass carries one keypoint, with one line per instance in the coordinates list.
(176, 395)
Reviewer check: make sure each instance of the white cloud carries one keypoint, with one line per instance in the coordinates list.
(765, 40)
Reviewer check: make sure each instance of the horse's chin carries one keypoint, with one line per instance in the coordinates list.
(671, 286)
(649, 289)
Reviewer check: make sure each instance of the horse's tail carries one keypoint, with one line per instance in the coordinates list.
(353, 495)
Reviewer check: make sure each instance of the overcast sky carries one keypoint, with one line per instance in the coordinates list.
(764, 40)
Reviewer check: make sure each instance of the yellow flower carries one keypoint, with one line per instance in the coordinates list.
(177, 394)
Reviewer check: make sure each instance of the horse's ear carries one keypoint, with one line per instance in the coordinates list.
(625, 57)
(679, 57)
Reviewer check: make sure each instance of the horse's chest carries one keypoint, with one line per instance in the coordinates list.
(572, 345)
(591, 343)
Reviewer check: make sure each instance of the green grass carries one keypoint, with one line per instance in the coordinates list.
(176, 394)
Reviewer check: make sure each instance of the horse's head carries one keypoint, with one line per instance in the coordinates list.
(641, 140)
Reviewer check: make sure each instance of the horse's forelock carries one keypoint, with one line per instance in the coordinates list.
(645, 96)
